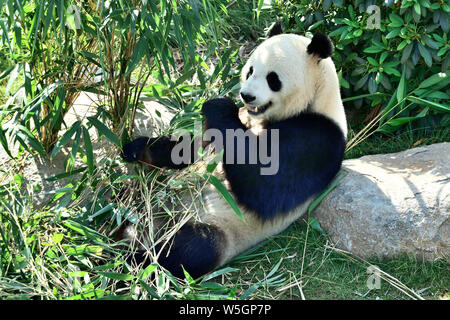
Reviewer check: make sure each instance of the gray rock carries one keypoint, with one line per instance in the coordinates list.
(392, 204)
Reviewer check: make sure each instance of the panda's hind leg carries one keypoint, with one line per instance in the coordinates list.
(196, 247)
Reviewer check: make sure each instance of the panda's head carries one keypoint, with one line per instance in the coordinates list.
(285, 73)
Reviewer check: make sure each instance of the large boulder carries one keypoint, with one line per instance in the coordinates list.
(392, 204)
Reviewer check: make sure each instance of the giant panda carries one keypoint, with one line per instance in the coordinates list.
(289, 85)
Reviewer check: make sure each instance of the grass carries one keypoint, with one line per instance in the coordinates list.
(328, 273)
(407, 139)
(48, 254)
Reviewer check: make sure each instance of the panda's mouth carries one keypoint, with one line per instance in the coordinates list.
(255, 110)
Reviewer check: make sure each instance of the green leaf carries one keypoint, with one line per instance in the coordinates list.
(372, 85)
(394, 124)
(26, 138)
(338, 31)
(372, 61)
(57, 237)
(433, 105)
(401, 90)
(224, 192)
(103, 210)
(429, 42)
(425, 54)
(357, 33)
(89, 151)
(12, 79)
(393, 33)
(434, 79)
(219, 273)
(148, 271)
(390, 70)
(350, 23)
(258, 9)
(315, 225)
(117, 276)
(65, 174)
(149, 289)
(65, 139)
(104, 130)
(7, 72)
(373, 49)
(361, 82)
(402, 45)
(417, 7)
(315, 25)
(406, 52)
(4, 142)
(246, 294)
(441, 51)
(396, 20)
(139, 51)
(83, 230)
(215, 161)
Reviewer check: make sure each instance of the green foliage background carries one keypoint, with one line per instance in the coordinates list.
(409, 45)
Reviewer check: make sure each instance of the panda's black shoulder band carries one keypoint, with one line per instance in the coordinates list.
(320, 46)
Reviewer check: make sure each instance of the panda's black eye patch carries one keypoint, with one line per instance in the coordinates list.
(274, 81)
(250, 72)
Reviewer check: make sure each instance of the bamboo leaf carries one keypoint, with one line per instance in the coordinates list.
(89, 151)
(28, 139)
(104, 130)
(224, 192)
(4, 142)
(433, 105)
(149, 289)
(117, 276)
(65, 139)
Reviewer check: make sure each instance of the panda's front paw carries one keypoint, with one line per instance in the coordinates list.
(136, 149)
(220, 107)
(155, 152)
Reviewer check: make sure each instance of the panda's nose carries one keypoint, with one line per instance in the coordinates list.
(247, 97)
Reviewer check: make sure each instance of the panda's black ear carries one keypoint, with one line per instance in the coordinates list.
(320, 46)
(275, 29)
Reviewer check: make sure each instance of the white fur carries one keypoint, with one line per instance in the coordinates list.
(240, 235)
(305, 79)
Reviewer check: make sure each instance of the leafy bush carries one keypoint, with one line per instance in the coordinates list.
(397, 65)
(44, 58)
(55, 50)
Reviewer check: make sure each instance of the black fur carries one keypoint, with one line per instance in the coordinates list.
(274, 81)
(320, 46)
(311, 149)
(275, 29)
(154, 150)
(195, 247)
(249, 73)
(134, 150)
